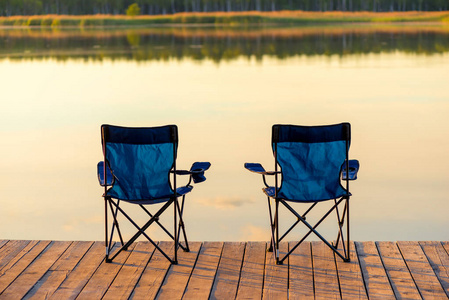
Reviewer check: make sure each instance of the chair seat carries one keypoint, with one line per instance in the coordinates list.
(271, 192)
(181, 191)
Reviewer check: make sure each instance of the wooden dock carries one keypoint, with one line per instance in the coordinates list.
(223, 270)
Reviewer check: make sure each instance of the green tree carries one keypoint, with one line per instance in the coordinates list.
(133, 10)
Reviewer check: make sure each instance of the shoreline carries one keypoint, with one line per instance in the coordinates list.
(227, 18)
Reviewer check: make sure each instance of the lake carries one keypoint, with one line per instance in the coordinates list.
(225, 87)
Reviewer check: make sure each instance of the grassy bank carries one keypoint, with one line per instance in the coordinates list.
(237, 18)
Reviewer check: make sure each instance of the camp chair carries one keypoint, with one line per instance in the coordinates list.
(138, 166)
(312, 159)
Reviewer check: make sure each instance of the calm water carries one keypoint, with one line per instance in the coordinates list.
(225, 88)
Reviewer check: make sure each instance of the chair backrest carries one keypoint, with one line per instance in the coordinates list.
(311, 159)
(140, 160)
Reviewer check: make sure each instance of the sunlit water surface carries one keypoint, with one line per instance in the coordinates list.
(397, 104)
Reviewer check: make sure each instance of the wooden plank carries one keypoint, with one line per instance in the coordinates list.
(2, 243)
(154, 273)
(301, 272)
(15, 254)
(178, 275)
(350, 276)
(445, 246)
(425, 279)
(251, 277)
(35, 270)
(202, 278)
(127, 278)
(11, 250)
(439, 261)
(228, 273)
(77, 279)
(20, 262)
(100, 281)
(59, 271)
(276, 276)
(324, 272)
(400, 278)
(374, 275)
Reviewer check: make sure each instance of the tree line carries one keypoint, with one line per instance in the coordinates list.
(151, 7)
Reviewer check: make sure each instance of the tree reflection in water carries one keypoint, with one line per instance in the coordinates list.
(220, 43)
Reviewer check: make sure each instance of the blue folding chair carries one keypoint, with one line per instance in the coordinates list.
(313, 161)
(138, 166)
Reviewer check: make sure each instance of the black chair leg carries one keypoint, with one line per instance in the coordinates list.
(182, 227)
(272, 228)
(276, 222)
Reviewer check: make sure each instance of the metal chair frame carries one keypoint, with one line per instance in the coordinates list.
(274, 222)
(113, 206)
(274, 225)
(274, 202)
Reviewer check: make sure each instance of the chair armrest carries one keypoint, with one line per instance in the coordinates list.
(258, 168)
(181, 172)
(196, 171)
(354, 167)
(100, 175)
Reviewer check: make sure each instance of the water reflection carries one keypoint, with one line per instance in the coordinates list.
(51, 115)
(221, 44)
